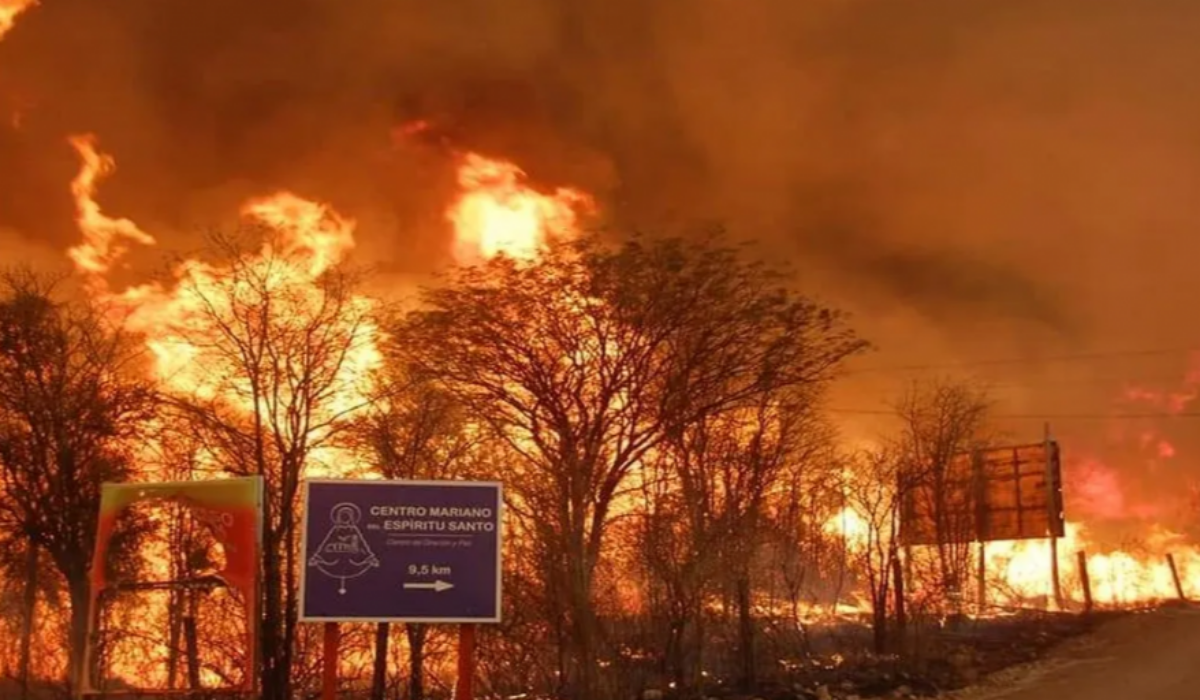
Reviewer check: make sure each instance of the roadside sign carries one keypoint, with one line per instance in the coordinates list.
(401, 551)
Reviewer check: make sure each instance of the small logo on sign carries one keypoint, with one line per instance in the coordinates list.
(344, 553)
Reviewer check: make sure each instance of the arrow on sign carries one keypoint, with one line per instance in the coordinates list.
(437, 586)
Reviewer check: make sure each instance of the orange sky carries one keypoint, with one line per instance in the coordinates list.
(974, 180)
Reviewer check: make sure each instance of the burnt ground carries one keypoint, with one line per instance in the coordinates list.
(1012, 657)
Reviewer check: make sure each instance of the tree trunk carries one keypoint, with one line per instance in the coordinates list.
(175, 623)
(898, 588)
(79, 589)
(28, 610)
(416, 660)
(696, 665)
(674, 654)
(379, 672)
(879, 620)
(192, 641)
(585, 659)
(583, 627)
(746, 662)
(290, 608)
(272, 627)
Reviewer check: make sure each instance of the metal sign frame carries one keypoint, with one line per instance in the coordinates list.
(197, 496)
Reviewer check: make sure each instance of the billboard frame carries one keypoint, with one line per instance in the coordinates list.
(919, 530)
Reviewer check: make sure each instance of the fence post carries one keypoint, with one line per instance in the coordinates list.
(1175, 577)
(1085, 580)
(982, 592)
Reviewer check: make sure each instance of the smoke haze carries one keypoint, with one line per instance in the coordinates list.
(974, 180)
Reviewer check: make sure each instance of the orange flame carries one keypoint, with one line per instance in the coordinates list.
(1018, 572)
(9, 9)
(312, 238)
(103, 236)
(312, 230)
(303, 241)
(497, 213)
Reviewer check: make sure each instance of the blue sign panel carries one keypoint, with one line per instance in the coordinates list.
(401, 551)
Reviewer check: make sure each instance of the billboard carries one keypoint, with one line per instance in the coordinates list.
(401, 551)
(231, 509)
(993, 494)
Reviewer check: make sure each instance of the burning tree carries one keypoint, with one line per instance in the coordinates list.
(271, 349)
(584, 360)
(70, 408)
(706, 517)
(875, 486)
(413, 430)
(808, 495)
(940, 421)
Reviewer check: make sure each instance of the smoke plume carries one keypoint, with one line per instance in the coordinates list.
(974, 180)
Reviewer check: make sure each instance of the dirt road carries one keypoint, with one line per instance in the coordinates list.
(1150, 656)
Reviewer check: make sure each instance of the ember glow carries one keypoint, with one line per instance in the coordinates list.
(9, 10)
(497, 212)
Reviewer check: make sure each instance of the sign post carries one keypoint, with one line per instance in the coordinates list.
(402, 551)
(330, 661)
(463, 690)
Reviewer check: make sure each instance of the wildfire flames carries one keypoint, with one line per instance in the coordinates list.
(9, 9)
(1018, 572)
(1137, 572)
(307, 240)
(495, 212)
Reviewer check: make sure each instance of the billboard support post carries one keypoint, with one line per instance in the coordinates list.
(1085, 580)
(463, 689)
(1175, 577)
(1052, 504)
(981, 594)
(329, 670)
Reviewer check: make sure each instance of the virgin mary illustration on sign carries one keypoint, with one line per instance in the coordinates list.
(344, 553)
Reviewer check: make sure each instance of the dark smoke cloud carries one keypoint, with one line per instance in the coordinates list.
(974, 179)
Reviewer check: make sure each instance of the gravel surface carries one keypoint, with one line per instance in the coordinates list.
(1147, 656)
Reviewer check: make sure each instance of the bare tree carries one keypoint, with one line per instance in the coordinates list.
(414, 430)
(942, 422)
(584, 360)
(70, 408)
(712, 522)
(678, 544)
(277, 354)
(875, 487)
(799, 549)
